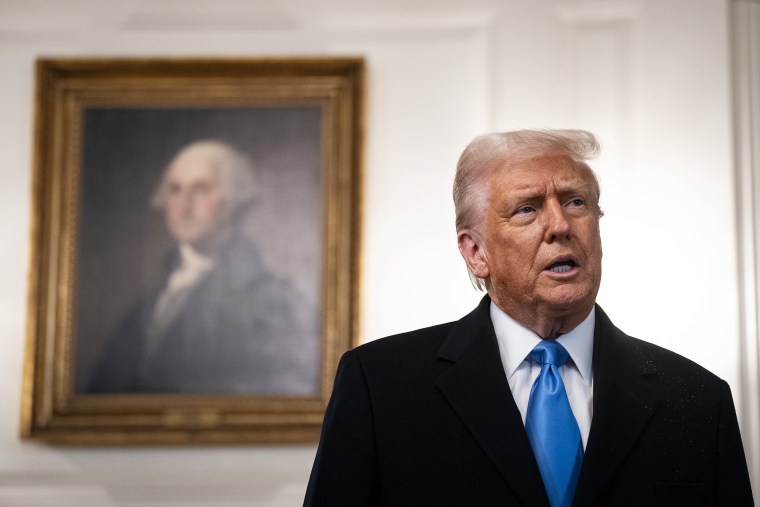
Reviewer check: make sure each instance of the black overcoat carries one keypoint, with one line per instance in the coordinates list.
(427, 418)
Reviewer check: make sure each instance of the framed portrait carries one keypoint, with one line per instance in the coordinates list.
(194, 271)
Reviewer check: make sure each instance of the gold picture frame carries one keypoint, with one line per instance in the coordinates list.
(252, 359)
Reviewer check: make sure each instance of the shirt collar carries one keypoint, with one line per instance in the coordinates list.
(516, 341)
(193, 260)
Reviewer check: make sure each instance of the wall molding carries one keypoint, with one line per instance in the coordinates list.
(598, 11)
(745, 49)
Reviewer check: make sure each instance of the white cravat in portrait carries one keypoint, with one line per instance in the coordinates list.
(191, 269)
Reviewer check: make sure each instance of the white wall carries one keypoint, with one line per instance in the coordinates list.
(651, 77)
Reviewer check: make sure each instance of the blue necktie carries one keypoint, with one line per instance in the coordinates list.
(552, 429)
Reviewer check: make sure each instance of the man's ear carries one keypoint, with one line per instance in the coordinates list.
(471, 247)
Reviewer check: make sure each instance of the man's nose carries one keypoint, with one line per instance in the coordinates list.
(185, 200)
(556, 224)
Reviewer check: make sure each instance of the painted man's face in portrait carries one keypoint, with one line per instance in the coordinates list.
(195, 200)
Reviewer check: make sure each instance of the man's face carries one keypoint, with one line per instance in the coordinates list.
(195, 200)
(541, 238)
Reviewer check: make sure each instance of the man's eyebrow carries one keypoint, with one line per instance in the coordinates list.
(524, 194)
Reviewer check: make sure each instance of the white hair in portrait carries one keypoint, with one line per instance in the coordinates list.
(235, 171)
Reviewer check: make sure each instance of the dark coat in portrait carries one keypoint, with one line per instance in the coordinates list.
(241, 330)
(428, 418)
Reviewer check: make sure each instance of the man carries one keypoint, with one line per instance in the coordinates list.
(218, 321)
(477, 412)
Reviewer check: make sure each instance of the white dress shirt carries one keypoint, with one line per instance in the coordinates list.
(515, 343)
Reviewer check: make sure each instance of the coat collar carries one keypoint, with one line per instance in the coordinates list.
(624, 402)
(477, 389)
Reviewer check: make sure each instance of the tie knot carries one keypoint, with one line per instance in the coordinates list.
(549, 352)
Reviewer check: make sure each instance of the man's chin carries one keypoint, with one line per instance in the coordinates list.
(569, 301)
(188, 235)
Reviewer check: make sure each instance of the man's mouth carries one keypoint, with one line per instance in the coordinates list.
(562, 266)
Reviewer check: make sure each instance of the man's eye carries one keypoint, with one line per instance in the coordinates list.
(576, 202)
(525, 209)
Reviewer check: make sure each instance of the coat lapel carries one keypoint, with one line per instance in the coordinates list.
(477, 389)
(623, 405)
